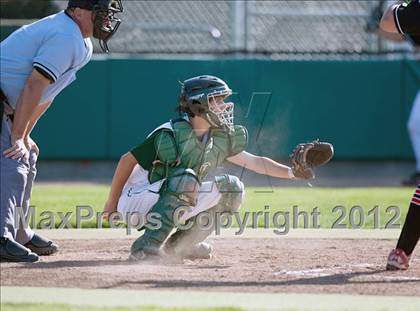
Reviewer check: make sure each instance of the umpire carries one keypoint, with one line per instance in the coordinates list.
(404, 18)
(36, 63)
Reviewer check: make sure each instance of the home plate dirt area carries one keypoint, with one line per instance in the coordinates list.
(272, 265)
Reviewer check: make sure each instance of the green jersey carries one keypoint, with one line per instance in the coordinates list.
(175, 145)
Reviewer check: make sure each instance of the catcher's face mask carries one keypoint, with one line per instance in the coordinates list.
(105, 22)
(220, 113)
(205, 96)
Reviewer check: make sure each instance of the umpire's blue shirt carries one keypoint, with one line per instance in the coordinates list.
(53, 45)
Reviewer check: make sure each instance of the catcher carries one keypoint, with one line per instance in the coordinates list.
(167, 171)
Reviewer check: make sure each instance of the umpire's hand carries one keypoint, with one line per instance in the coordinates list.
(18, 149)
(31, 145)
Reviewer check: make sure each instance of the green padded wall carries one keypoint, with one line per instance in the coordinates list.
(360, 106)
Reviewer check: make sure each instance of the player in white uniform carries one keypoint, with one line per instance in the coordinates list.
(404, 18)
(36, 63)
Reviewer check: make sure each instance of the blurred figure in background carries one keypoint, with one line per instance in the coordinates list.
(404, 18)
(402, 21)
(414, 131)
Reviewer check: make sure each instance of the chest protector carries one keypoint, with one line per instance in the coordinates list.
(180, 147)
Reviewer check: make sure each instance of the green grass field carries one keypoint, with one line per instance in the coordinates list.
(64, 198)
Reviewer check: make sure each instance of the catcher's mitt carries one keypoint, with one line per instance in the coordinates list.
(307, 156)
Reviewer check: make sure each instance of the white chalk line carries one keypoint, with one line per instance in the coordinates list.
(348, 269)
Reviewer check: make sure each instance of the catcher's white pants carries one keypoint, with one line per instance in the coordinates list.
(414, 129)
(136, 202)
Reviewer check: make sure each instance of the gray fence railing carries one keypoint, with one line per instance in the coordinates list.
(283, 27)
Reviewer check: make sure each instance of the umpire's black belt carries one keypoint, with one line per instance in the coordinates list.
(3, 103)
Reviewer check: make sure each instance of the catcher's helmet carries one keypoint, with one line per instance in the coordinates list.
(198, 98)
(105, 23)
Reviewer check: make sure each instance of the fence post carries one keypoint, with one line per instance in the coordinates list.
(239, 25)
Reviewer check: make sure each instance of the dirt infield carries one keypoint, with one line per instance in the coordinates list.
(271, 265)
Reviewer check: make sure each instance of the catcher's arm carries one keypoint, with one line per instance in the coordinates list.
(261, 165)
(122, 173)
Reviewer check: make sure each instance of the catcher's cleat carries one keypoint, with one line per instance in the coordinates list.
(397, 260)
(159, 258)
(200, 250)
(137, 256)
(413, 180)
(147, 251)
(11, 251)
(41, 246)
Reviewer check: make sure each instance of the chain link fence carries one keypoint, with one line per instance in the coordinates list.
(251, 27)
(310, 26)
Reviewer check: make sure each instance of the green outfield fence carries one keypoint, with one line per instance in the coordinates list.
(361, 106)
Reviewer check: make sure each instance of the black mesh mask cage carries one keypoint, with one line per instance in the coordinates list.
(105, 22)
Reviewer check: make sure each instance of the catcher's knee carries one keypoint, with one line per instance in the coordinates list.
(184, 184)
(232, 191)
(180, 190)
